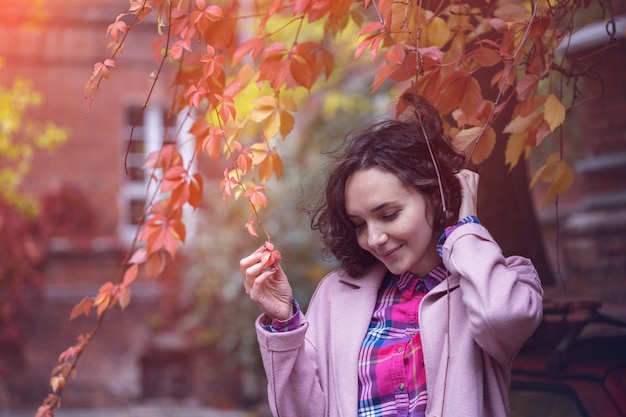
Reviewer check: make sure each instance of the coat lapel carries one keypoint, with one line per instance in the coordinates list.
(352, 307)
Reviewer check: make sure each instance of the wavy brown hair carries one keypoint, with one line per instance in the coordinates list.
(404, 147)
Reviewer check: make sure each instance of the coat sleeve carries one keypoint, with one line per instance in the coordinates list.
(503, 296)
(293, 381)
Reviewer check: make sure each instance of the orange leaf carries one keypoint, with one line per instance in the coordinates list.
(130, 275)
(287, 121)
(155, 264)
(84, 307)
(212, 142)
(485, 57)
(244, 161)
(270, 256)
(124, 297)
(256, 196)
(465, 139)
(250, 227)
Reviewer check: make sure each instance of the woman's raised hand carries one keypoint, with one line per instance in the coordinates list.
(267, 286)
(469, 186)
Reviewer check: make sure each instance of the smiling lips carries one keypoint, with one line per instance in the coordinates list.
(390, 253)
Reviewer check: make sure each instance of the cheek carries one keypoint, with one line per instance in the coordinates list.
(361, 239)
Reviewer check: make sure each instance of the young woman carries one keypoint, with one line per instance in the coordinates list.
(425, 314)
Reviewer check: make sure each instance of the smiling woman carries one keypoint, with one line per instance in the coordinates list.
(393, 221)
(424, 304)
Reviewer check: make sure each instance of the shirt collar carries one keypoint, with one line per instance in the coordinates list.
(411, 281)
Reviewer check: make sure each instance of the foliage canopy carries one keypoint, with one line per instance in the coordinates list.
(244, 69)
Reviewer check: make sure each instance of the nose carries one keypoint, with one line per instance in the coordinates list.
(376, 237)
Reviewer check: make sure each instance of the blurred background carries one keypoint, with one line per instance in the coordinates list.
(187, 341)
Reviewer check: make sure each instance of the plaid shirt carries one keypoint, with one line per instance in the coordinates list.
(392, 379)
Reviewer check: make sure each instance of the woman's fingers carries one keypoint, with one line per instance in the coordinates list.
(469, 187)
(269, 287)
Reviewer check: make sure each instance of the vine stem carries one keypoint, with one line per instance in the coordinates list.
(491, 116)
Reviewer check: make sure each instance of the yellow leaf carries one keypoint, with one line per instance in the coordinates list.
(521, 123)
(57, 382)
(514, 149)
(271, 127)
(438, 32)
(561, 181)
(465, 138)
(265, 107)
(558, 174)
(553, 112)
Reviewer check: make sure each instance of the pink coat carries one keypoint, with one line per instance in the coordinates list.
(489, 306)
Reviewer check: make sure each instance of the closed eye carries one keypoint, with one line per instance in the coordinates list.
(391, 216)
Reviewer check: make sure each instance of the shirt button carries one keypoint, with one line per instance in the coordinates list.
(400, 349)
(401, 386)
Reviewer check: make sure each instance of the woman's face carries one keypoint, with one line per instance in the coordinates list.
(392, 221)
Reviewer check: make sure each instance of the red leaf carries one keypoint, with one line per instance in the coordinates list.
(251, 46)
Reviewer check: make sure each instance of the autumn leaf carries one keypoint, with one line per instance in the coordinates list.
(553, 112)
(140, 256)
(104, 300)
(213, 142)
(115, 29)
(485, 57)
(244, 161)
(251, 46)
(514, 149)
(527, 86)
(83, 307)
(123, 297)
(130, 275)
(155, 264)
(161, 232)
(270, 256)
(70, 353)
(468, 141)
(164, 158)
(256, 196)
(268, 161)
(229, 184)
(438, 32)
(57, 382)
(302, 63)
(250, 227)
(558, 174)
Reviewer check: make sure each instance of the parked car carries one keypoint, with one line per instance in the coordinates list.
(574, 365)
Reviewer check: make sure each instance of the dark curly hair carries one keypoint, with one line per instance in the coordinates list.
(400, 147)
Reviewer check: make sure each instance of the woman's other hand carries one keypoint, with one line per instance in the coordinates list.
(269, 287)
(469, 186)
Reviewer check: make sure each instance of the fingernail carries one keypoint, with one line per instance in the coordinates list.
(272, 269)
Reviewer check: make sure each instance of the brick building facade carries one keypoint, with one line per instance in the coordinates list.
(56, 49)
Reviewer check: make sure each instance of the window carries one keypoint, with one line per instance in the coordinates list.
(152, 129)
